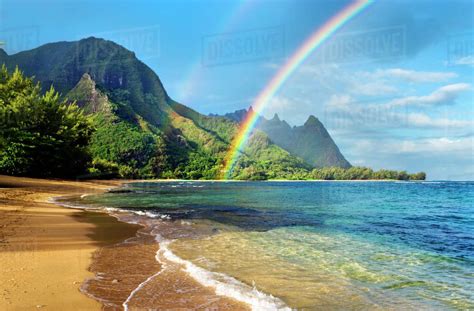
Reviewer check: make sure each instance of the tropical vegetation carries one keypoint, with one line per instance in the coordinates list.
(112, 118)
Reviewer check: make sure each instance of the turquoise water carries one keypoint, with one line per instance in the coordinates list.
(358, 245)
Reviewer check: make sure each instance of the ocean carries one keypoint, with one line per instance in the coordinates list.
(313, 245)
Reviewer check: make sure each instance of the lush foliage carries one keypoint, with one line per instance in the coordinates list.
(130, 151)
(40, 135)
(139, 132)
(263, 160)
(252, 170)
(123, 143)
(362, 173)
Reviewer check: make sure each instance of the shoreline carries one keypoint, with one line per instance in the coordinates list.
(165, 281)
(56, 254)
(139, 270)
(273, 180)
(46, 249)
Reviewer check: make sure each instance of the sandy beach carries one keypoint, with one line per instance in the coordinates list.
(58, 258)
(45, 249)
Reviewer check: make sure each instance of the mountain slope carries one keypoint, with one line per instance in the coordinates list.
(311, 141)
(141, 131)
(114, 68)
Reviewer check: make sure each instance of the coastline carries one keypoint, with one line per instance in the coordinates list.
(274, 180)
(158, 278)
(61, 258)
(77, 254)
(58, 256)
(46, 249)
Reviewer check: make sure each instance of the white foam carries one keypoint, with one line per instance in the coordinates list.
(223, 284)
(148, 214)
(112, 209)
(140, 286)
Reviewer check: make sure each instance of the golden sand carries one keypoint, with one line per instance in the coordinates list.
(45, 249)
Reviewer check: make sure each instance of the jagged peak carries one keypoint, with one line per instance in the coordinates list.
(86, 77)
(312, 121)
(88, 97)
(86, 81)
(276, 117)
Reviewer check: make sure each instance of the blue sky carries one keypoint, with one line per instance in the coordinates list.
(394, 86)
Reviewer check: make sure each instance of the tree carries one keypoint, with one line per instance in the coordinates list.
(418, 176)
(40, 135)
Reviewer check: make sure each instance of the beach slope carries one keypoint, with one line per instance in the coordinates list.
(45, 249)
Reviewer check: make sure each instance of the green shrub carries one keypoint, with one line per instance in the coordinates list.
(40, 135)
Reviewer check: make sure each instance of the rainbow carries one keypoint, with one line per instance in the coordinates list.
(314, 41)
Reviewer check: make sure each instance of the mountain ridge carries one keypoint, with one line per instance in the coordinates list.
(311, 141)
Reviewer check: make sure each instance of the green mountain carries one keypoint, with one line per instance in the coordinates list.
(140, 130)
(311, 141)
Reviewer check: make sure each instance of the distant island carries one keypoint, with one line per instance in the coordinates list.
(91, 109)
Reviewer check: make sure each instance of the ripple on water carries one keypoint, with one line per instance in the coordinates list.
(310, 270)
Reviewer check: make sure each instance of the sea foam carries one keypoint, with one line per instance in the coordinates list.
(223, 284)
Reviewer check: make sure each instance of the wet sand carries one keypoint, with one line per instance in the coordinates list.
(148, 283)
(57, 258)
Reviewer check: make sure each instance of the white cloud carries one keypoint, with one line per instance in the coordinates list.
(440, 157)
(416, 76)
(341, 111)
(339, 102)
(444, 95)
(381, 117)
(461, 146)
(294, 110)
(279, 103)
(373, 88)
(423, 120)
(440, 145)
(466, 60)
(368, 83)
